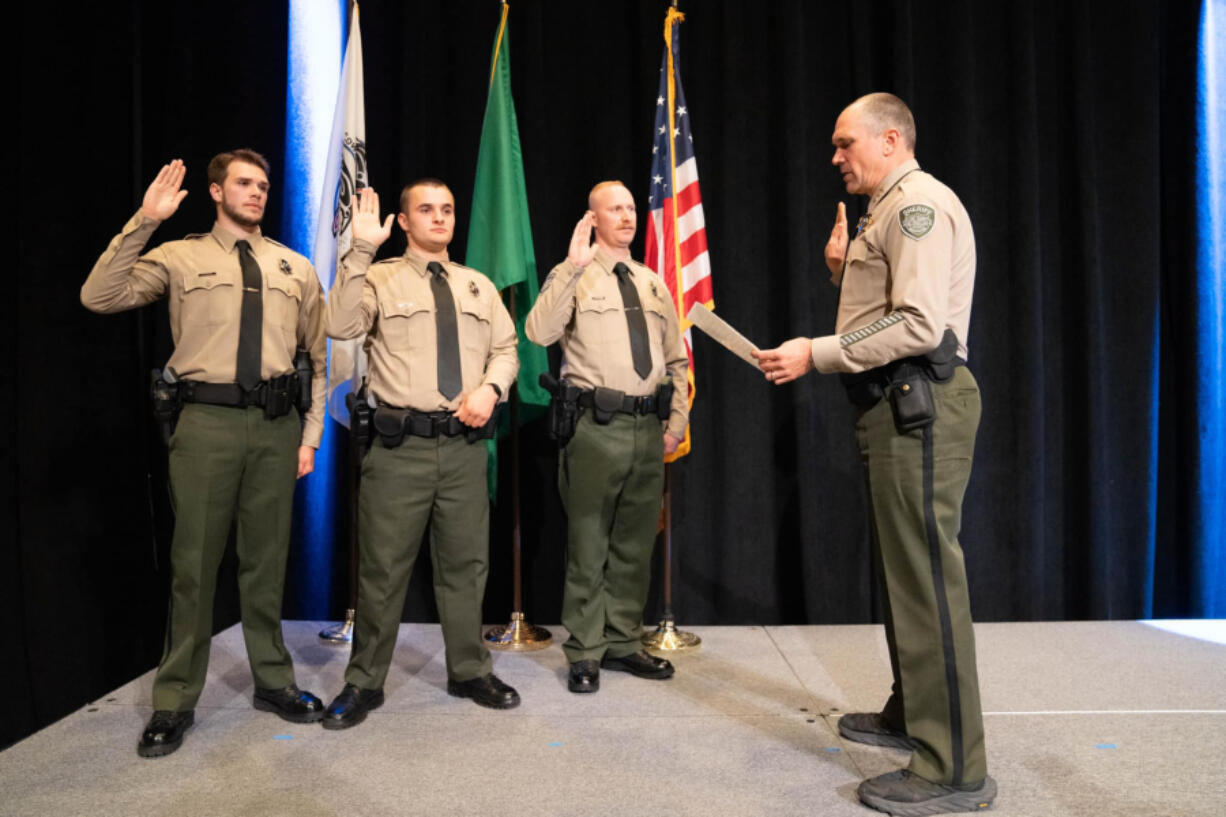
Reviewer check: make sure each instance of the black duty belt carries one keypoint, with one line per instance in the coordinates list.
(644, 405)
(234, 395)
(392, 424)
(865, 389)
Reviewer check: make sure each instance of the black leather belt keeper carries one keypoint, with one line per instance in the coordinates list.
(275, 396)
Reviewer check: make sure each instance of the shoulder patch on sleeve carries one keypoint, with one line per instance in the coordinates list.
(549, 279)
(916, 220)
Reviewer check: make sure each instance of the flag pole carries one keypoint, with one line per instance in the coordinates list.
(343, 633)
(666, 637)
(519, 635)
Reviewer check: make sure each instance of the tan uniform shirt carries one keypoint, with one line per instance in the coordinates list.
(203, 281)
(909, 276)
(583, 309)
(392, 302)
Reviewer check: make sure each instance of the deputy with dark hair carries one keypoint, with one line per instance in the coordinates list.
(240, 305)
(624, 376)
(900, 341)
(442, 355)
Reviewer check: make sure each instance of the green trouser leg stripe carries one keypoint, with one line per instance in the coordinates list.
(947, 628)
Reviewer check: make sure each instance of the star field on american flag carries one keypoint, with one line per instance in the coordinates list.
(660, 170)
(676, 230)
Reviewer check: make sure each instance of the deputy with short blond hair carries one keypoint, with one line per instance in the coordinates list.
(624, 364)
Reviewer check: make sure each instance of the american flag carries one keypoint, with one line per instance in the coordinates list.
(676, 231)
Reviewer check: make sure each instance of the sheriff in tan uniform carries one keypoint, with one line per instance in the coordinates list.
(240, 305)
(900, 341)
(618, 329)
(442, 354)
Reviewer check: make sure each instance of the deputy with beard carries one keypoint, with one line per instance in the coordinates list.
(240, 305)
(622, 351)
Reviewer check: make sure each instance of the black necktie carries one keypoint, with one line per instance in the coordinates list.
(640, 350)
(449, 381)
(251, 322)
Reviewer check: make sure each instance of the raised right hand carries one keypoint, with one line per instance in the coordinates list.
(163, 197)
(582, 247)
(836, 247)
(366, 224)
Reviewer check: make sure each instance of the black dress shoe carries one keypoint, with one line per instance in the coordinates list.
(871, 728)
(584, 677)
(640, 664)
(350, 707)
(291, 703)
(488, 691)
(164, 732)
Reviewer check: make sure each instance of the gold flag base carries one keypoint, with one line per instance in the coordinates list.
(339, 633)
(668, 639)
(518, 636)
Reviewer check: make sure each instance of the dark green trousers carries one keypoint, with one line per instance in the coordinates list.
(916, 482)
(227, 461)
(440, 481)
(611, 478)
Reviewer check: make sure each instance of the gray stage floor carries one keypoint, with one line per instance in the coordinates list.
(1088, 718)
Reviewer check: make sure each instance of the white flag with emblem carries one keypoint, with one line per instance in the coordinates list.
(346, 174)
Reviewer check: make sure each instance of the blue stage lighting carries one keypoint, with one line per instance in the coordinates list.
(317, 33)
(1209, 522)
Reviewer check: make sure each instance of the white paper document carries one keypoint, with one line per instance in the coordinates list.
(722, 333)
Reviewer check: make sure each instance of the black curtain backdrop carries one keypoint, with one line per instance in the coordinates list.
(1066, 128)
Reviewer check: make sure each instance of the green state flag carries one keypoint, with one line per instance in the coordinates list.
(499, 233)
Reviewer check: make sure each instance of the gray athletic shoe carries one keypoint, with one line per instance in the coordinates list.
(871, 728)
(907, 795)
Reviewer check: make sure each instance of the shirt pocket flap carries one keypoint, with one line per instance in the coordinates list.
(390, 308)
(857, 251)
(598, 303)
(203, 280)
(286, 285)
(657, 305)
(474, 309)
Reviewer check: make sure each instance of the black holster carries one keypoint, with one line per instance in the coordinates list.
(664, 400)
(907, 381)
(280, 394)
(361, 419)
(167, 403)
(605, 403)
(302, 368)
(564, 408)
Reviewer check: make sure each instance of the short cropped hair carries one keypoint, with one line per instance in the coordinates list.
(883, 111)
(219, 165)
(425, 181)
(601, 186)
